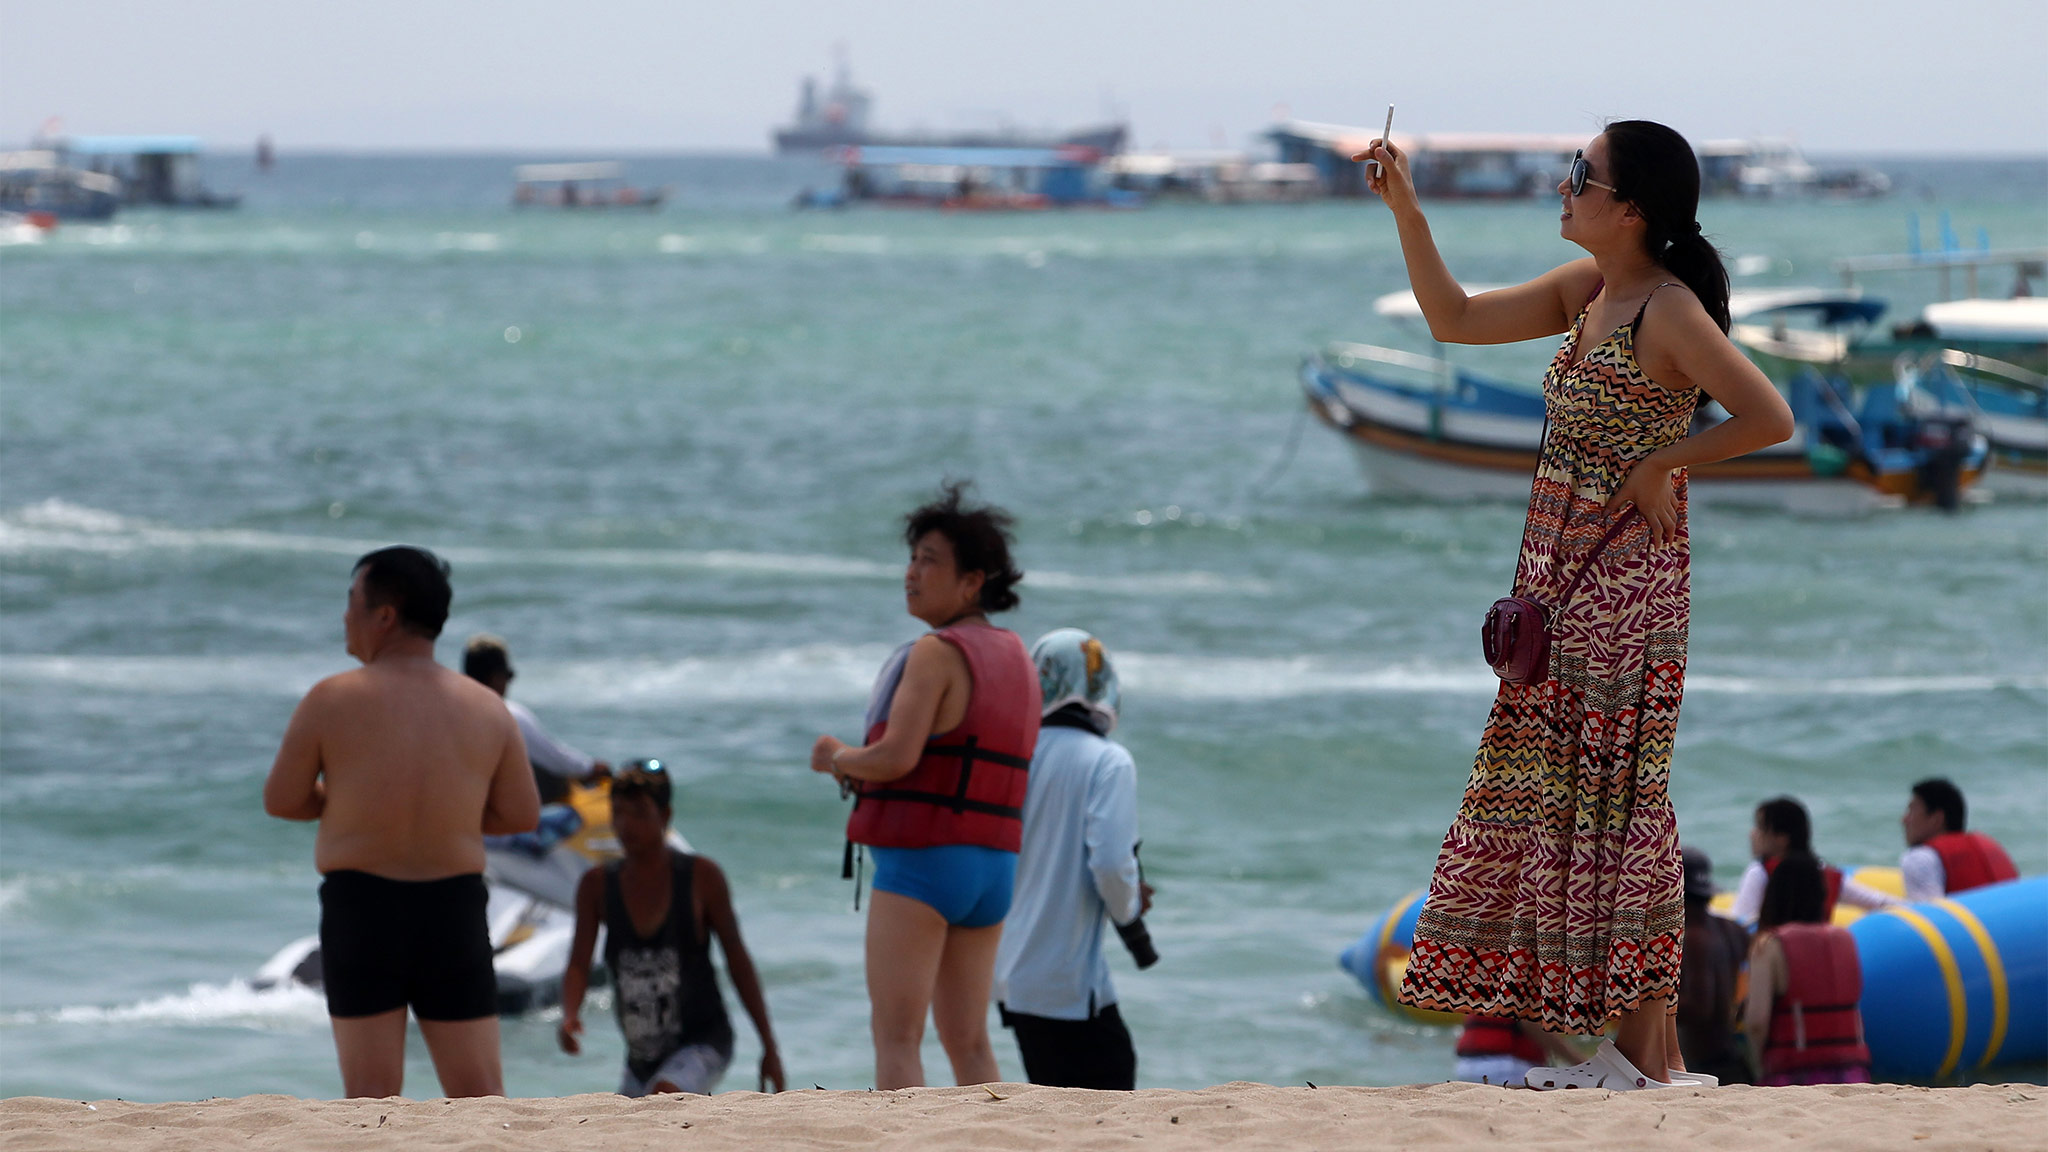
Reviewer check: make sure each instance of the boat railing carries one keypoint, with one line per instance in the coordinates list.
(1944, 261)
(1987, 366)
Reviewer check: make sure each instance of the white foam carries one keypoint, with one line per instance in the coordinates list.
(58, 526)
(839, 673)
(843, 243)
(235, 1002)
(468, 241)
(288, 676)
(12, 892)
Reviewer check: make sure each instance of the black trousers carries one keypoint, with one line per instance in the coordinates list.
(1093, 1053)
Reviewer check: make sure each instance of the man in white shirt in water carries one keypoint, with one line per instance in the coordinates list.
(1077, 870)
(486, 660)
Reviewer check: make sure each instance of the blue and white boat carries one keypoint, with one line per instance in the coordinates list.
(1422, 426)
(38, 182)
(1977, 356)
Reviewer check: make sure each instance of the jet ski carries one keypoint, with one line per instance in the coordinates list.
(532, 879)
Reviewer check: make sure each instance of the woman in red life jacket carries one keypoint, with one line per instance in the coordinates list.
(1942, 856)
(938, 787)
(1783, 827)
(1804, 982)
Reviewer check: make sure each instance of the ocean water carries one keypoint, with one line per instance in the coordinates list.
(666, 454)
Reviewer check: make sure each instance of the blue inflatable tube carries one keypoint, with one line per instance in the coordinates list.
(1381, 956)
(1956, 984)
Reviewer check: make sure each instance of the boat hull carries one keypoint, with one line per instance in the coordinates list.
(1460, 438)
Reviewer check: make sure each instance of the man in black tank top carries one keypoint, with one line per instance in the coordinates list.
(660, 908)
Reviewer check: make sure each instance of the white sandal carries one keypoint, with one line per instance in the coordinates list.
(1607, 1069)
(1689, 1079)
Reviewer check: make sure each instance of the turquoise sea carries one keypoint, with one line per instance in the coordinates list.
(666, 454)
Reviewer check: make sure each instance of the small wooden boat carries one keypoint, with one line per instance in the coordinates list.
(1422, 426)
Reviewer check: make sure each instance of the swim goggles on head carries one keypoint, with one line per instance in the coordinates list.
(1582, 175)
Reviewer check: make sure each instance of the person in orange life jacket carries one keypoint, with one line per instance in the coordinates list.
(1804, 982)
(1942, 857)
(678, 1037)
(1709, 981)
(1783, 826)
(938, 791)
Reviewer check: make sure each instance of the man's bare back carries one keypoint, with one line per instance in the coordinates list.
(406, 765)
(417, 764)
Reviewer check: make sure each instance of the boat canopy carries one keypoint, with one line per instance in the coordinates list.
(561, 173)
(1833, 306)
(2024, 319)
(132, 145)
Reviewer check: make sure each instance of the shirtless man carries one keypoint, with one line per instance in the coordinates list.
(406, 765)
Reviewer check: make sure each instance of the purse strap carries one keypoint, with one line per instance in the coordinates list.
(1613, 530)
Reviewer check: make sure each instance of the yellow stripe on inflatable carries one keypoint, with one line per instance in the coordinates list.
(1890, 881)
(1379, 952)
(1994, 966)
(1945, 958)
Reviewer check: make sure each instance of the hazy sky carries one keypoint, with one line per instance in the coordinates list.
(1875, 75)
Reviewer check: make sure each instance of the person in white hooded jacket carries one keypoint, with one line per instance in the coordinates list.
(1077, 871)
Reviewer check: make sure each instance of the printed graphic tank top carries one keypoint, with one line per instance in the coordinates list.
(663, 987)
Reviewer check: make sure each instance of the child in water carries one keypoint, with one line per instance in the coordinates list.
(660, 908)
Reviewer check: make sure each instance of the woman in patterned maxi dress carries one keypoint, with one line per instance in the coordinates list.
(1557, 896)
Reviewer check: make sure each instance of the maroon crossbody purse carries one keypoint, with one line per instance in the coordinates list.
(1516, 635)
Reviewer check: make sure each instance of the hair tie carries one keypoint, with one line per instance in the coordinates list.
(1695, 227)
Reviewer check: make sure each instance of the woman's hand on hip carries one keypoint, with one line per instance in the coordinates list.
(1650, 489)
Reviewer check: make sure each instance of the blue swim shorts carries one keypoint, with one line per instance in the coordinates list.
(967, 884)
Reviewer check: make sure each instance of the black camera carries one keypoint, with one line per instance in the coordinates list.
(1134, 934)
(1139, 941)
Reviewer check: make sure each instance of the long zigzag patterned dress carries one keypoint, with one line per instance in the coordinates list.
(1557, 896)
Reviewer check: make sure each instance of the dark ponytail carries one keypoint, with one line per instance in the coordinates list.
(1655, 170)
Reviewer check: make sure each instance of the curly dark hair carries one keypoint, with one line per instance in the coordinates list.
(980, 537)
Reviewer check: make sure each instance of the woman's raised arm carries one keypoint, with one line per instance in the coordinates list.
(1541, 307)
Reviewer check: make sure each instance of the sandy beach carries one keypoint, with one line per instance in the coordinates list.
(1017, 1116)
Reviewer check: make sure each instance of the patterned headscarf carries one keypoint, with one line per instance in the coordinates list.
(1073, 668)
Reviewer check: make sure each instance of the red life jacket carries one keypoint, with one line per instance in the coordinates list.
(1971, 860)
(1814, 1022)
(968, 788)
(1498, 1036)
(1829, 874)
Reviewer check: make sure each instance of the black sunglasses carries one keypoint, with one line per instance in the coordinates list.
(1582, 175)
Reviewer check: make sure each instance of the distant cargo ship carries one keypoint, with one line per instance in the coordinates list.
(840, 120)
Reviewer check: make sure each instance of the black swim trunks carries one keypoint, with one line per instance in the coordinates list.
(388, 944)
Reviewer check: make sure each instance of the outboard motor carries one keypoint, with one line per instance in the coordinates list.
(1945, 442)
